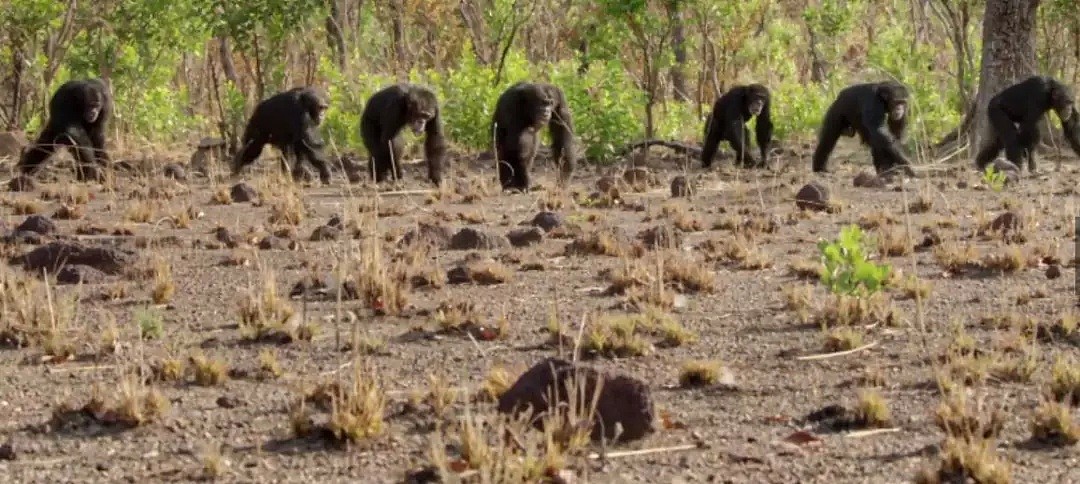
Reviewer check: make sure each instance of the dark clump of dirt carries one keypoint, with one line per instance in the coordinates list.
(623, 402)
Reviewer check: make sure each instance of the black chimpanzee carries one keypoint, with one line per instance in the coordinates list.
(386, 113)
(730, 114)
(289, 121)
(878, 113)
(520, 112)
(78, 113)
(1015, 114)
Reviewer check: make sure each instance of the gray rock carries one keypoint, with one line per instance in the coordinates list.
(812, 196)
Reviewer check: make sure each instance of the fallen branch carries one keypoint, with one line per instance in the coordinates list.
(870, 433)
(678, 147)
(838, 353)
(657, 450)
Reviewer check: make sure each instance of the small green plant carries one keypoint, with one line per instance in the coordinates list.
(846, 269)
(993, 178)
(150, 324)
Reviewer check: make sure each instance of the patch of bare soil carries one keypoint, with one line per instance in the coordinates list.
(153, 329)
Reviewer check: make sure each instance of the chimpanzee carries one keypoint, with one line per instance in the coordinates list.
(289, 121)
(730, 114)
(877, 112)
(1015, 114)
(78, 113)
(520, 112)
(386, 113)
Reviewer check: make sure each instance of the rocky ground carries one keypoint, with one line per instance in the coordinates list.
(168, 327)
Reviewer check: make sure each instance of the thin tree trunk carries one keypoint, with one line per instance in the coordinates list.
(398, 26)
(1008, 55)
(334, 35)
(227, 66)
(678, 46)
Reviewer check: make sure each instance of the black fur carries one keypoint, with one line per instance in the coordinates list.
(70, 106)
(521, 111)
(866, 110)
(730, 114)
(289, 121)
(390, 110)
(1015, 114)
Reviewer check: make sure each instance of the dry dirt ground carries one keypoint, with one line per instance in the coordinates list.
(210, 390)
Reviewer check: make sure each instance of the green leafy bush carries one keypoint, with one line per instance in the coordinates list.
(847, 269)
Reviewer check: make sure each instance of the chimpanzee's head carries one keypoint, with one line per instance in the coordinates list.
(314, 104)
(93, 103)
(757, 99)
(1061, 101)
(539, 104)
(895, 97)
(422, 106)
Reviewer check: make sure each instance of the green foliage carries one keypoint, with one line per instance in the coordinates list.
(847, 269)
(151, 325)
(993, 178)
(468, 94)
(606, 107)
(934, 111)
(831, 18)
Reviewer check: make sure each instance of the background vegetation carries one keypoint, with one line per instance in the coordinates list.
(183, 69)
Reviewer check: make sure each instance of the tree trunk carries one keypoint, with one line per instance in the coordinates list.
(334, 35)
(678, 46)
(1008, 55)
(401, 53)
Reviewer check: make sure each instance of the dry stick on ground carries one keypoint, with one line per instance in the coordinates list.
(858, 434)
(823, 356)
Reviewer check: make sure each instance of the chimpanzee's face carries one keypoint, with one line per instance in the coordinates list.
(755, 106)
(422, 108)
(544, 109)
(897, 110)
(94, 103)
(1063, 105)
(316, 107)
(418, 121)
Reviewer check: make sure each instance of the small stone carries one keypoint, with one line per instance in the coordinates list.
(325, 232)
(273, 242)
(242, 192)
(434, 235)
(1053, 272)
(7, 452)
(525, 237)
(661, 236)
(38, 224)
(638, 178)
(76, 274)
(226, 401)
(458, 275)
(471, 239)
(547, 221)
(812, 196)
(222, 234)
(175, 171)
(868, 180)
(680, 187)
(1006, 222)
